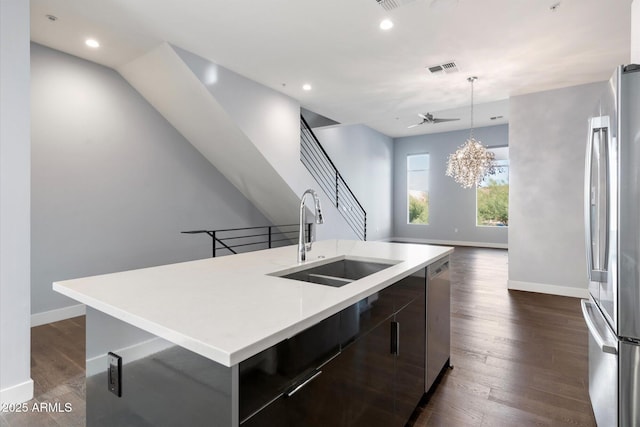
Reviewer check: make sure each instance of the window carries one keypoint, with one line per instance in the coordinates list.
(492, 195)
(418, 189)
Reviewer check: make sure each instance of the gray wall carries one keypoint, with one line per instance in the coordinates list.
(451, 207)
(547, 139)
(113, 183)
(364, 157)
(15, 381)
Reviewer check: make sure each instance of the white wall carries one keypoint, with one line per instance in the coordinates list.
(364, 157)
(452, 209)
(169, 85)
(547, 144)
(271, 121)
(15, 358)
(113, 183)
(635, 32)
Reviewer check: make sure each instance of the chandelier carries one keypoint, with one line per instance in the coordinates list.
(472, 161)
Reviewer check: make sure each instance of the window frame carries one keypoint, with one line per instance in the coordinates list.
(508, 167)
(407, 198)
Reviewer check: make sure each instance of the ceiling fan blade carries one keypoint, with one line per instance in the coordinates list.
(416, 125)
(444, 120)
(423, 116)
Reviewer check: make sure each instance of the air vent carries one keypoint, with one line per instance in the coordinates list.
(446, 68)
(388, 4)
(393, 4)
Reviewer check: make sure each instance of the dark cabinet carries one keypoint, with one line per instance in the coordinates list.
(410, 358)
(318, 400)
(369, 369)
(376, 378)
(387, 365)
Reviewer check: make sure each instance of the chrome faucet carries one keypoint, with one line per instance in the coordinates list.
(303, 247)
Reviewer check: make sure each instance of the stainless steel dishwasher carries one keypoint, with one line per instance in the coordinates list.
(438, 320)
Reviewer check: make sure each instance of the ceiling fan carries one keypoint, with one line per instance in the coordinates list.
(428, 118)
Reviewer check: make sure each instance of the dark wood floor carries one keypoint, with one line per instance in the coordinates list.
(520, 359)
(57, 370)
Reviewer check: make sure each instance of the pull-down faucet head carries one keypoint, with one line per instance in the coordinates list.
(318, 214)
(303, 247)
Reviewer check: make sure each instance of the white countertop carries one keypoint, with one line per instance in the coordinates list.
(228, 308)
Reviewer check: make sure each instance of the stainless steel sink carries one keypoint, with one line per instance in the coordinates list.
(337, 273)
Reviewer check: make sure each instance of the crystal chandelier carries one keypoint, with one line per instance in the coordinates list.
(471, 162)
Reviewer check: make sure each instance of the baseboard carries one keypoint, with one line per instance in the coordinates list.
(56, 315)
(448, 242)
(18, 393)
(129, 354)
(543, 288)
(385, 239)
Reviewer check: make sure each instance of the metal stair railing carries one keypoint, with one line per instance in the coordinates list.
(319, 164)
(252, 238)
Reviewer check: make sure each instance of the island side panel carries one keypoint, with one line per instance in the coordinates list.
(438, 315)
(161, 384)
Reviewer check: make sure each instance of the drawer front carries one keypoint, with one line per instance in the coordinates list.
(364, 316)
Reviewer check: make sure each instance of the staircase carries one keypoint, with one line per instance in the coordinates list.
(319, 164)
(248, 132)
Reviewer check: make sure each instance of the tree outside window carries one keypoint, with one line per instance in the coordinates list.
(418, 189)
(492, 195)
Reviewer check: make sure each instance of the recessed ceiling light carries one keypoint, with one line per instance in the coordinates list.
(92, 43)
(386, 24)
(306, 86)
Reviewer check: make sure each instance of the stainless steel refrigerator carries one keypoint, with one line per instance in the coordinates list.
(612, 222)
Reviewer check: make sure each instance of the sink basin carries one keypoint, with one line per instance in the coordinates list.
(337, 273)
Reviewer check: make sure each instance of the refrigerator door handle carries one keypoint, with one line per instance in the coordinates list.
(604, 344)
(599, 125)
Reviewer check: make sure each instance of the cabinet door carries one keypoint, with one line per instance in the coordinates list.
(317, 400)
(410, 358)
(275, 370)
(322, 400)
(368, 368)
(370, 383)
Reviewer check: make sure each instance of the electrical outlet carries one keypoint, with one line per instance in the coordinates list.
(114, 374)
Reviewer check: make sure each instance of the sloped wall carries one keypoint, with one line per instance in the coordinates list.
(166, 82)
(113, 183)
(270, 122)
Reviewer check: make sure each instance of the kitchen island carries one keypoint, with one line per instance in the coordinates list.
(224, 341)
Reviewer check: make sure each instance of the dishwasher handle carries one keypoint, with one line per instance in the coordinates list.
(437, 270)
(605, 345)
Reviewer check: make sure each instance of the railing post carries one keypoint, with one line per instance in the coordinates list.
(213, 244)
(269, 237)
(316, 156)
(337, 201)
(365, 227)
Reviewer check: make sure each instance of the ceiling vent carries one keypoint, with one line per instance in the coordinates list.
(393, 4)
(446, 68)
